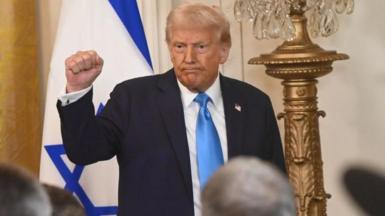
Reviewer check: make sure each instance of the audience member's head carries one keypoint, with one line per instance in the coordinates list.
(247, 186)
(21, 194)
(63, 202)
(367, 188)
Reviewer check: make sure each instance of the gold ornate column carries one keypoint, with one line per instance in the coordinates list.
(20, 114)
(299, 62)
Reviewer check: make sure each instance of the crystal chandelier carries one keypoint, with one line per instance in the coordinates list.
(271, 18)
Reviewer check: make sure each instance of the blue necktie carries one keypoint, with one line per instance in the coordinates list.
(209, 152)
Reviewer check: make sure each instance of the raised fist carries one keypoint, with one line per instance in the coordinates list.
(81, 69)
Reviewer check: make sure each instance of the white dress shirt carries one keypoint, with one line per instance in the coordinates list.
(191, 110)
(68, 98)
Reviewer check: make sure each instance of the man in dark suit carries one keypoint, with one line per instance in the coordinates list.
(150, 123)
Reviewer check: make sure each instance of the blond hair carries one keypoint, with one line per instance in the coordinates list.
(197, 14)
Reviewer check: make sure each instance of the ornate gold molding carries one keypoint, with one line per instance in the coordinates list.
(299, 62)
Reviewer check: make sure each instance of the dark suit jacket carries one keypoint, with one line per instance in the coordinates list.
(143, 125)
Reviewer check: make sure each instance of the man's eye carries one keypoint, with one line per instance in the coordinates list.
(179, 48)
(201, 48)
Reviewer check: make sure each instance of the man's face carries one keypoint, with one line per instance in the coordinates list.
(196, 54)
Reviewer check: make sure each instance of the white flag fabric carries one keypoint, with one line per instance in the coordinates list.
(113, 29)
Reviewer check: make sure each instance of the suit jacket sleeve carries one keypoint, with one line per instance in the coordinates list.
(88, 138)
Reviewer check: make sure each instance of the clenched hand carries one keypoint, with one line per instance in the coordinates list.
(81, 70)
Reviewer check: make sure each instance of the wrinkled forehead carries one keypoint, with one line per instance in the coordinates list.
(193, 36)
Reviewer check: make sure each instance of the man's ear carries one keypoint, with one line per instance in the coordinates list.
(224, 53)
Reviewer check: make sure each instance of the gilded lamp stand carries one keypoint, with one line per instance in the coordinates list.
(299, 62)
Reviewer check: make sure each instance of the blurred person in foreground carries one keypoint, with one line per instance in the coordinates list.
(247, 186)
(366, 187)
(21, 194)
(63, 202)
(171, 131)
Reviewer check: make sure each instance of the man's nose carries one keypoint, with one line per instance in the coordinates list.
(190, 55)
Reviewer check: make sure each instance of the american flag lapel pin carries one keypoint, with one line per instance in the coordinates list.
(238, 107)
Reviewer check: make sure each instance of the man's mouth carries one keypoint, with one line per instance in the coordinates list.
(191, 69)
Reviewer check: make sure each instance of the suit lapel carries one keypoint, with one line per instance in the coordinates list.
(233, 115)
(170, 105)
(171, 109)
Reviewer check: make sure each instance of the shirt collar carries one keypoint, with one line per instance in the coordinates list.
(214, 92)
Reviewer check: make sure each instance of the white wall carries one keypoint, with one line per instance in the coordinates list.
(352, 95)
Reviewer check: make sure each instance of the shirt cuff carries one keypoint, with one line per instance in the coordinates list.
(69, 98)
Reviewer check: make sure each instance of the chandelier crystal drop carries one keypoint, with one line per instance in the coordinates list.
(271, 18)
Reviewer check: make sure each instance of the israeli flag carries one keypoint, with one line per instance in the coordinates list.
(114, 30)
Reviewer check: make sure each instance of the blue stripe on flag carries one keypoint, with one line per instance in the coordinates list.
(128, 13)
(72, 182)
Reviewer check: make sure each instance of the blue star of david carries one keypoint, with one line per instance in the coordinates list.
(71, 179)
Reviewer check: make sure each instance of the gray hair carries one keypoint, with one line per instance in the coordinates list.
(63, 202)
(201, 15)
(246, 186)
(21, 194)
